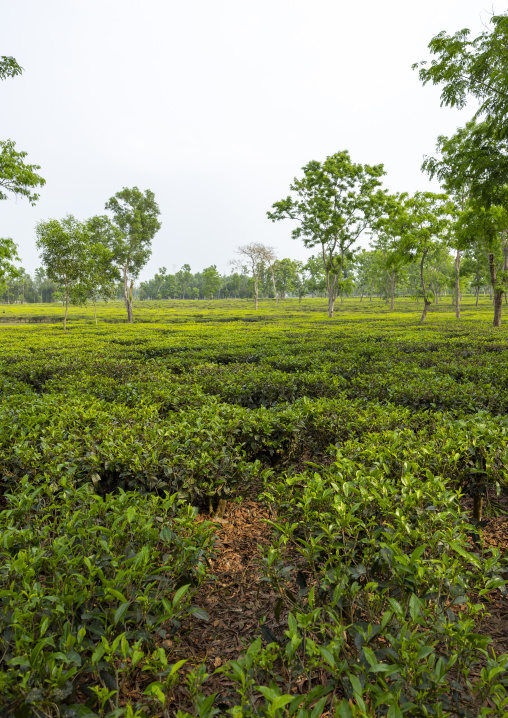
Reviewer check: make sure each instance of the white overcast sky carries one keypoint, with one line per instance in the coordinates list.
(215, 105)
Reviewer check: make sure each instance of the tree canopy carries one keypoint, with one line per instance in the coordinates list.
(333, 203)
(136, 217)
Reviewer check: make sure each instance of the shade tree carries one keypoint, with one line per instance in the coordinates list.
(212, 281)
(475, 67)
(486, 229)
(135, 216)
(63, 246)
(388, 231)
(252, 258)
(16, 176)
(287, 278)
(427, 218)
(331, 204)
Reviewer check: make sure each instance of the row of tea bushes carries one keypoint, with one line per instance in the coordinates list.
(383, 593)
(378, 588)
(88, 587)
(378, 592)
(209, 447)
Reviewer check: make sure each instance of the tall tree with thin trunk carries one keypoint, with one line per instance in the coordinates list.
(253, 255)
(452, 166)
(388, 229)
(332, 204)
(427, 223)
(136, 216)
(63, 246)
(488, 229)
(270, 261)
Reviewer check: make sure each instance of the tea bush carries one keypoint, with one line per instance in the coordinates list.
(84, 577)
(365, 430)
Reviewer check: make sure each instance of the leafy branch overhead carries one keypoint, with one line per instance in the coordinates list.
(9, 67)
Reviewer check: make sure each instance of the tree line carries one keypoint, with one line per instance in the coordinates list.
(425, 240)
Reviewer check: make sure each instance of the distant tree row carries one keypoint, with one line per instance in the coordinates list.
(424, 244)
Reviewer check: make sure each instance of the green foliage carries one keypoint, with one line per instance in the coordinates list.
(472, 66)
(16, 176)
(87, 584)
(211, 281)
(9, 67)
(381, 567)
(129, 234)
(476, 156)
(8, 254)
(333, 203)
(105, 433)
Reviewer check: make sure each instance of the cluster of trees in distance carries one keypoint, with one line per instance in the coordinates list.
(423, 243)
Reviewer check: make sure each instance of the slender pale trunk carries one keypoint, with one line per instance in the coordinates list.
(426, 303)
(332, 281)
(477, 295)
(331, 298)
(66, 308)
(95, 310)
(274, 287)
(458, 259)
(256, 292)
(392, 280)
(127, 295)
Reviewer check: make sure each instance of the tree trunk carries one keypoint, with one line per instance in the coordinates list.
(95, 311)
(66, 308)
(498, 292)
(457, 284)
(434, 290)
(128, 299)
(255, 292)
(274, 287)
(393, 279)
(426, 303)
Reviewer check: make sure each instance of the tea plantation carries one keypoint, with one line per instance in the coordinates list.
(376, 447)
